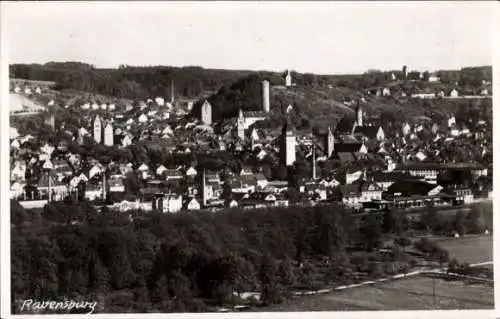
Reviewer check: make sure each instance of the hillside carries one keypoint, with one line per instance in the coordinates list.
(128, 81)
(321, 104)
(317, 99)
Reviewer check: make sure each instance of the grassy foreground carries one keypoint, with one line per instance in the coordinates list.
(406, 294)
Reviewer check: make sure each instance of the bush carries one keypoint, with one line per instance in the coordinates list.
(403, 241)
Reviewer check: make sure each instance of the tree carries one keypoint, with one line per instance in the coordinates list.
(393, 222)
(227, 190)
(371, 233)
(476, 221)
(281, 172)
(430, 219)
(459, 223)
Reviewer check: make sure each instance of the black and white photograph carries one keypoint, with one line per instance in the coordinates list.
(248, 157)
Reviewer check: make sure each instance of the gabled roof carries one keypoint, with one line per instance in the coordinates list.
(351, 189)
(411, 188)
(347, 147)
(345, 125)
(346, 157)
(368, 131)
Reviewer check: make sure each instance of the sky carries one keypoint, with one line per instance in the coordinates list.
(321, 37)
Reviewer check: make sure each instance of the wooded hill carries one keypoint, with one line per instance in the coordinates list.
(315, 98)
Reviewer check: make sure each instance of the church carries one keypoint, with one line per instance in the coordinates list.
(358, 128)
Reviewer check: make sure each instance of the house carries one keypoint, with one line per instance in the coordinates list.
(406, 129)
(370, 132)
(173, 174)
(93, 171)
(15, 144)
(116, 185)
(191, 204)
(59, 190)
(167, 130)
(350, 147)
(420, 156)
(126, 140)
(93, 192)
(18, 172)
(463, 195)
(261, 155)
(434, 78)
(427, 171)
(413, 193)
(258, 200)
(245, 170)
(143, 118)
(349, 195)
(386, 92)
(191, 172)
(261, 181)
(160, 170)
(169, 203)
(212, 177)
(17, 189)
(352, 177)
(371, 191)
(231, 203)
(454, 93)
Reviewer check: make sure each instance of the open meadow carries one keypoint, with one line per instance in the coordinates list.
(406, 294)
(470, 249)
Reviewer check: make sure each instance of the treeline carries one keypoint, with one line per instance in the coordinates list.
(198, 261)
(182, 262)
(128, 81)
(470, 77)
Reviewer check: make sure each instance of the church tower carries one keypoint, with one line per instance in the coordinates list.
(108, 135)
(287, 144)
(359, 115)
(265, 96)
(240, 125)
(206, 113)
(97, 129)
(288, 79)
(329, 143)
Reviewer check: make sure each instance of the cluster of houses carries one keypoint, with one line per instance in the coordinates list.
(405, 175)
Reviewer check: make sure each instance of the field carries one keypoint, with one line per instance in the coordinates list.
(407, 294)
(473, 249)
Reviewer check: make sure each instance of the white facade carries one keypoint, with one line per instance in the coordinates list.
(206, 113)
(97, 129)
(265, 96)
(169, 204)
(193, 205)
(108, 135)
(288, 79)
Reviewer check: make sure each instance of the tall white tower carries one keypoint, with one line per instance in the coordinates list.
(329, 143)
(206, 113)
(240, 125)
(287, 144)
(265, 96)
(97, 129)
(359, 115)
(288, 79)
(108, 135)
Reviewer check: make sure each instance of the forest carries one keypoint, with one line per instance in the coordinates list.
(199, 261)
